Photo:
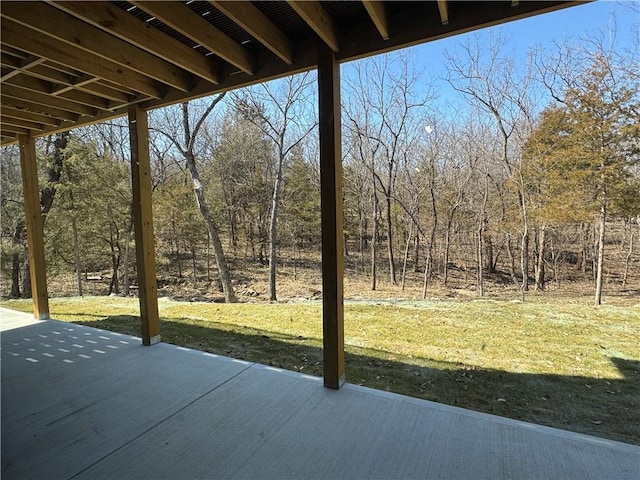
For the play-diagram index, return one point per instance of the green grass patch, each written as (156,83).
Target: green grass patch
(569,366)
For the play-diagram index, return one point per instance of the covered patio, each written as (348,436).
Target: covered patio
(79,402)
(68,64)
(83,403)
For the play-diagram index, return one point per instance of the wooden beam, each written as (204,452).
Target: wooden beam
(87,83)
(378,13)
(43,46)
(184,20)
(444,12)
(22,104)
(22,66)
(331,217)
(34,226)
(117,22)
(68,29)
(25,115)
(254,22)
(7,138)
(66,125)
(314,14)
(19,122)
(42,86)
(16,130)
(47,100)
(143,225)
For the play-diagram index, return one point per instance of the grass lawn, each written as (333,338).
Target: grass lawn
(569,366)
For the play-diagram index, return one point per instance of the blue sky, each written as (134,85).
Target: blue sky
(601,18)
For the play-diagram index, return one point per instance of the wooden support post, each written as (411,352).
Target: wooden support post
(143,225)
(35,227)
(331,216)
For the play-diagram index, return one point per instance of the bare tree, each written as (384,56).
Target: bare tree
(281,110)
(382,114)
(176,126)
(496,86)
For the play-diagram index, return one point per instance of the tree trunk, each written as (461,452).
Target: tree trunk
(126,274)
(554,257)
(54,173)
(273,231)
(76,254)
(392,264)
(524,260)
(627,259)
(374,238)
(539,285)
(488,245)
(480,259)
(209,257)
(114,285)
(223,268)
(194,263)
(447,246)
(406,256)
(416,253)
(600,261)
(432,241)
(512,262)
(26,274)
(15,259)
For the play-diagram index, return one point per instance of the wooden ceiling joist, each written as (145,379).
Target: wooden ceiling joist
(41,86)
(254,22)
(444,12)
(62,82)
(22,104)
(18,122)
(10,130)
(124,26)
(42,45)
(182,19)
(26,115)
(21,65)
(47,100)
(378,13)
(61,26)
(314,14)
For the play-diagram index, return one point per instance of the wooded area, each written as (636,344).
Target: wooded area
(535,183)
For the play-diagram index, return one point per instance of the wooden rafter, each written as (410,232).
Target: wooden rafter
(259,26)
(19,122)
(378,13)
(12,129)
(26,115)
(314,14)
(38,44)
(22,66)
(22,104)
(14,91)
(122,25)
(62,82)
(42,86)
(182,19)
(444,12)
(65,28)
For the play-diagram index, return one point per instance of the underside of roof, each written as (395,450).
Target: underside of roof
(67,64)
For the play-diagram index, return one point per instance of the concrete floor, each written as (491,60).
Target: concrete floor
(83,403)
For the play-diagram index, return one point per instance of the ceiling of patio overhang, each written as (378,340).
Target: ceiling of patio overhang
(66,64)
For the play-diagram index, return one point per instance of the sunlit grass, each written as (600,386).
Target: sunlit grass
(571,366)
